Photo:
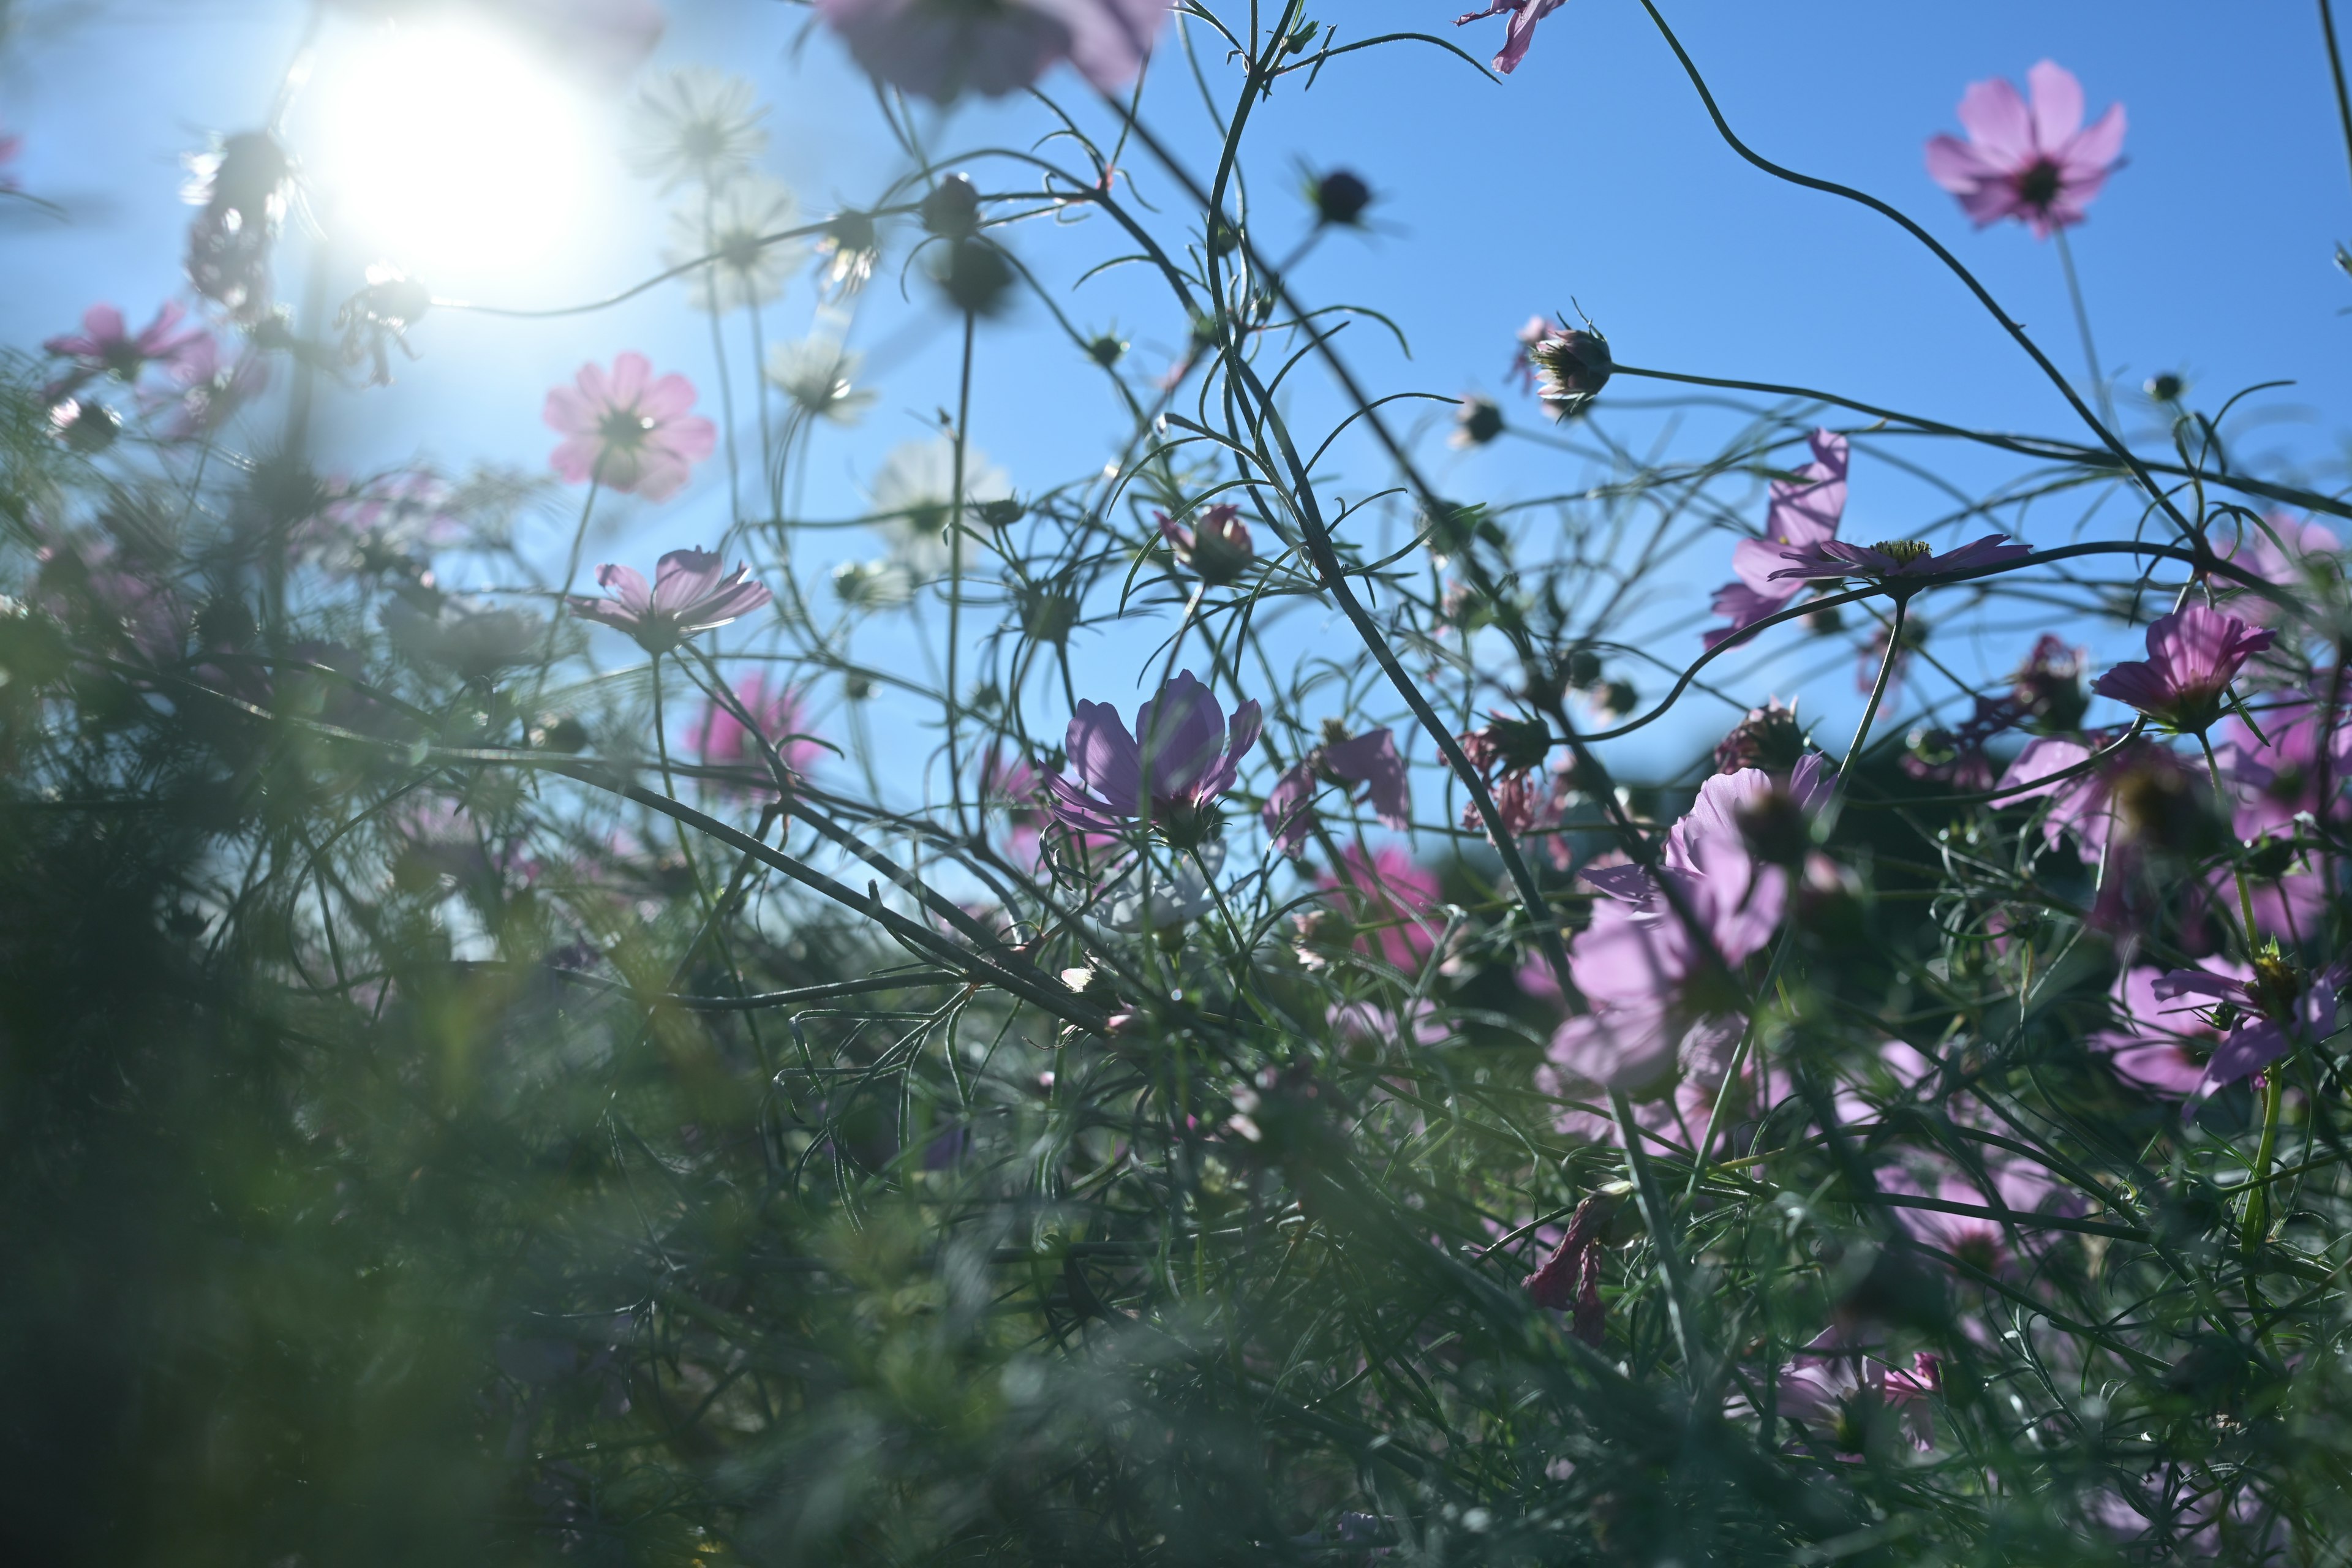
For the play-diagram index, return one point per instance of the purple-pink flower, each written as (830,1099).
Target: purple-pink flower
(201,392)
(1891,560)
(1391,904)
(2150,1046)
(1217,546)
(721,738)
(106,346)
(2192,655)
(1803,512)
(1525,15)
(1171,778)
(2260,1017)
(1367,762)
(692,592)
(627,429)
(941,48)
(2037,163)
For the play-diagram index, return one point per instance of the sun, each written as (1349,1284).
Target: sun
(447,150)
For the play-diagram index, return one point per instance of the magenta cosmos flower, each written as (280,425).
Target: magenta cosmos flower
(106,346)
(2192,657)
(691,593)
(1170,778)
(720,738)
(2037,164)
(2160,1043)
(1369,763)
(628,430)
(1891,561)
(2260,1019)
(1804,511)
(1391,901)
(1217,546)
(940,48)
(1525,15)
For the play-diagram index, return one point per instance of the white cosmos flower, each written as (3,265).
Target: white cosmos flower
(914,492)
(819,375)
(732,224)
(1178,894)
(872,585)
(697,123)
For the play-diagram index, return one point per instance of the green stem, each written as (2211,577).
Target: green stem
(2335,71)
(2083,325)
(2258,1207)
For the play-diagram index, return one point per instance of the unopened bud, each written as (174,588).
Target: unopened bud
(952,210)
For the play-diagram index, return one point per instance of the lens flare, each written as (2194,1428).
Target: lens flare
(447,150)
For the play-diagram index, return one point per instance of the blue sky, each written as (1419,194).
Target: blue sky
(1591,174)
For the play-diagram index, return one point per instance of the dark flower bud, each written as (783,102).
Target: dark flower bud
(560,732)
(1107,349)
(952,210)
(974,276)
(1581,667)
(1048,615)
(85,425)
(1478,421)
(857,688)
(2270,858)
(1002,512)
(850,248)
(1572,367)
(1618,699)
(1769,738)
(1340,197)
(224,622)
(2165,386)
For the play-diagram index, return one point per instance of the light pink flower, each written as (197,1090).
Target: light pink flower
(1367,763)
(1392,900)
(106,346)
(2290,554)
(1803,511)
(1217,546)
(628,430)
(692,592)
(2143,796)
(941,48)
(2036,164)
(720,738)
(1171,778)
(1525,15)
(2192,655)
(1837,1392)
(201,392)
(1012,785)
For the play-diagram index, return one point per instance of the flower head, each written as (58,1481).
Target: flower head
(1170,778)
(2259,1018)
(821,378)
(1803,510)
(1367,761)
(691,593)
(1525,15)
(697,123)
(1217,546)
(472,638)
(1566,366)
(721,738)
(202,392)
(106,346)
(2037,164)
(914,494)
(1890,560)
(2159,1044)
(734,228)
(941,48)
(2193,654)
(1389,905)
(628,430)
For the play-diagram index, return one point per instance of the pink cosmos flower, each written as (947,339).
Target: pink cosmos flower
(720,738)
(1525,15)
(1369,1021)
(105,346)
(1838,1394)
(692,592)
(1012,785)
(1369,763)
(2292,554)
(2259,1018)
(2036,164)
(940,48)
(1803,511)
(1392,901)
(1217,546)
(2159,1044)
(1171,778)
(1891,560)
(201,392)
(11,148)
(626,430)
(2192,655)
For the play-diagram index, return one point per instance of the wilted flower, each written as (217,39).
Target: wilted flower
(873,584)
(2193,654)
(378,317)
(1520,32)
(2038,165)
(1170,779)
(1217,546)
(626,430)
(914,494)
(1369,762)
(697,123)
(734,228)
(820,376)
(1803,511)
(472,638)
(106,346)
(1570,1278)
(241,188)
(1478,421)
(692,592)
(722,739)
(941,48)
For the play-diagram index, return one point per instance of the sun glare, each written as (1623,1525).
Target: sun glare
(448,151)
